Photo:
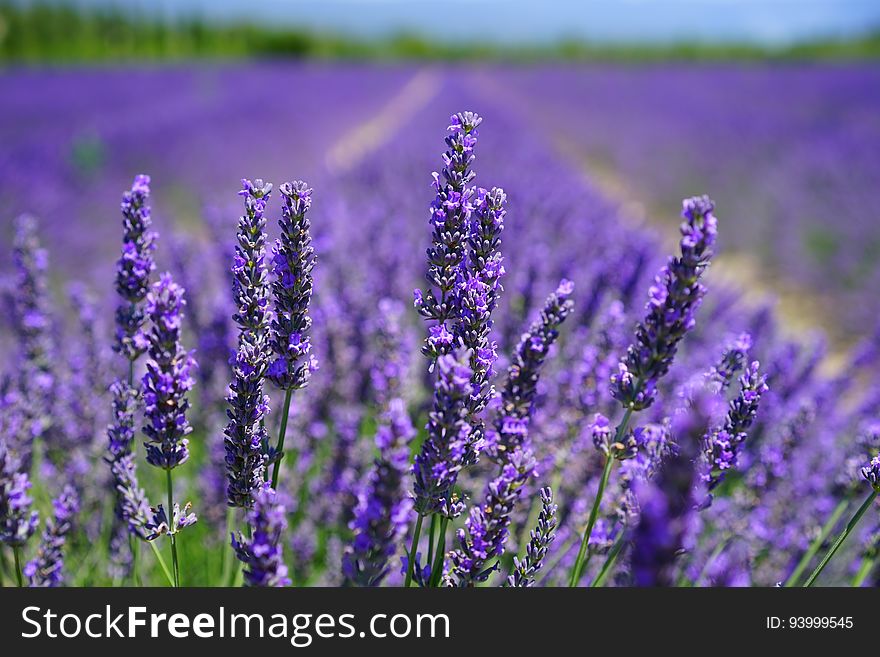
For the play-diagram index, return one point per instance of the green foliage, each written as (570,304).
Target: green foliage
(53,32)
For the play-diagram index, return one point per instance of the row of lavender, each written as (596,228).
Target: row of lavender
(651,480)
(791,151)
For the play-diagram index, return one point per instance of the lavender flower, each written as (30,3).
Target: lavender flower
(250,286)
(37,380)
(168,378)
(674,299)
(159,525)
(626,448)
(450,215)
(485,531)
(722,446)
(478,296)
(732,361)
(542,536)
(245,434)
(17,521)
(47,569)
(511,424)
(871,473)
(441,458)
(382,514)
(133,269)
(261,554)
(86,386)
(292,262)
(132,507)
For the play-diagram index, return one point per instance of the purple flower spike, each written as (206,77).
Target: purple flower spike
(478,297)
(244,436)
(673,301)
(450,221)
(485,532)
(245,433)
(132,507)
(250,277)
(293,259)
(541,537)
(732,361)
(261,554)
(442,455)
(17,521)
(510,428)
(168,378)
(133,269)
(36,382)
(382,513)
(48,567)
(721,446)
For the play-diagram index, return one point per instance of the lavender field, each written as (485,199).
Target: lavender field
(553,363)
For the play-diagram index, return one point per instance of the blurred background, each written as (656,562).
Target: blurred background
(599,117)
(770,106)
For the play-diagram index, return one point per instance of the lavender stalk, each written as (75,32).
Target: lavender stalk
(508,444)
(541,537)
(871,473)
(37,380)
(48,568)
(133,270)
(380,519)
(292,262)
(674,299)
(245,433)
(441,458)
(17,521)
(261,552)
(450,213)
(165,385)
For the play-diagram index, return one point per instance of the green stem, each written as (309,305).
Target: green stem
(16,551)
(594,513)
(842,537)
(172,530)
(865,569)
(432,534)
(437,567)
(162,563)
(225,561)
(285,411)
(412,551)
(535,511)
(826,530)
(610,560)
(684,582)
(134,547)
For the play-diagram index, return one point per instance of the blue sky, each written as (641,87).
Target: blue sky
(535,21)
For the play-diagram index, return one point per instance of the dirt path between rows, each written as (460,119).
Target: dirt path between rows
(801,311)
(359,142)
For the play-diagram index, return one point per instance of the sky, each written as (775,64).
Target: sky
(768,22)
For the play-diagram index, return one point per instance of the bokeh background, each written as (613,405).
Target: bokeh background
(600,117)
(770,106)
